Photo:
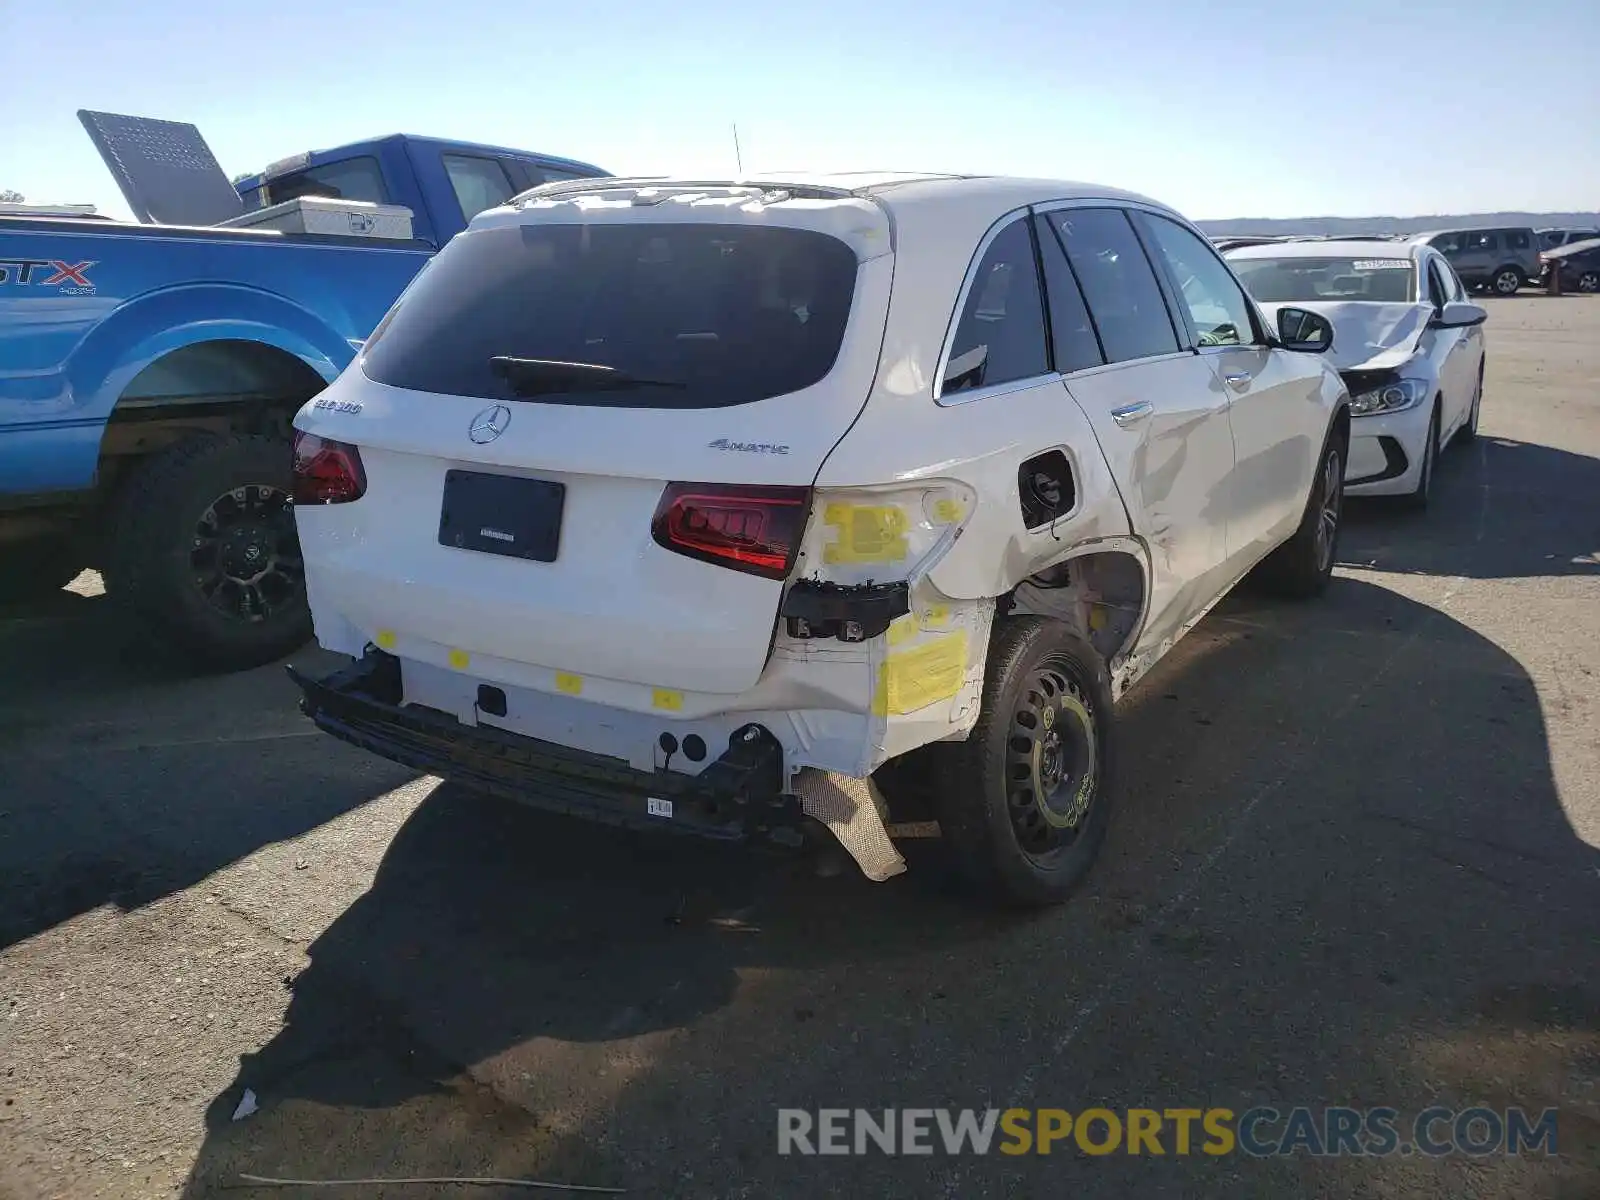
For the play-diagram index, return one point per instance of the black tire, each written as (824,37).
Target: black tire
(1017,843)
(1506,281)
(1468,433)
(1301,568)
(189,525)
(37,569)
(1419,499)
(1587,281)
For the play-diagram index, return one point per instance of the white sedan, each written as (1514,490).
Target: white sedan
(1407,342)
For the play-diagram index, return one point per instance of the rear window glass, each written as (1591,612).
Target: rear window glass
(686,315)
(348,179)
(1297,280)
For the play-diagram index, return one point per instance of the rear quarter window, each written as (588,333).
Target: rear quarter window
(711,315)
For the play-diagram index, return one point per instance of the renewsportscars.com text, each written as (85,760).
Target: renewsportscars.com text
(1260,1132)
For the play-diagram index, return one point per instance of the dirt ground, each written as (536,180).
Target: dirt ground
(1354,862)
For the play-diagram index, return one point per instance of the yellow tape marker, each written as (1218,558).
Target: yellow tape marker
(902,630)
(459,659)
(386,639)
(938,615)
(948,511)
(867,534)
(921,676)
(667,699)
(572,685)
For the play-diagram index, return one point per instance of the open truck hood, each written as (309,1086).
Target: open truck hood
(1368,336)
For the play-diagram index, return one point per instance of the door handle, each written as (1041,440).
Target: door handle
(1132,414)
(1237,379)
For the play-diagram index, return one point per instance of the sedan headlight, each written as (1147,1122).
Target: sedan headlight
(1391,397)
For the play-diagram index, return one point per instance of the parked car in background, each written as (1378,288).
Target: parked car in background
(1500,260)
(695,504)
(1549,239)
(1580,265)
(149,371)
(1406,340)
(1228,243)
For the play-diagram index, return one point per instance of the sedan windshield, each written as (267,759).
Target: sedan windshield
(1302,280)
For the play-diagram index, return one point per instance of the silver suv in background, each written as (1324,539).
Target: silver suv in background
(1549,239)
(1501,260)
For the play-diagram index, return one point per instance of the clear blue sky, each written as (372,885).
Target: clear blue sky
(1228,108)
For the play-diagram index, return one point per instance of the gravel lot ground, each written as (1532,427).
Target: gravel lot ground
(1354,862)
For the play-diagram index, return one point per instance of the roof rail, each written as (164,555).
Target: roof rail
(573,187)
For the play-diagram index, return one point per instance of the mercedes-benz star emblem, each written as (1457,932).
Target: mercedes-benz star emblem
(489,424)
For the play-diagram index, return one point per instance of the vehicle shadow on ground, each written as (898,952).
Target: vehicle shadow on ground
(128,778)
(1539,501)
(1304,899)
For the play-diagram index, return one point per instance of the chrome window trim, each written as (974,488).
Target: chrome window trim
(1261,330)
(996,389)
(1103,368)
(1180,320)
(1001,223)
(1022,213)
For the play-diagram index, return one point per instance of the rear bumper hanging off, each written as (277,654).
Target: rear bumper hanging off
(737,797)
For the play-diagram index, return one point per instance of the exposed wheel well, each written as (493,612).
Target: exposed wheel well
(1102,595)
(219,387)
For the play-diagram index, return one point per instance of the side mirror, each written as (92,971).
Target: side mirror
(1302,329)
(1459,314)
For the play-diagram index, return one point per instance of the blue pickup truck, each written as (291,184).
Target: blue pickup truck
(148,374)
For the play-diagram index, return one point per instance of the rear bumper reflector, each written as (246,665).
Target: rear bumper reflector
(737,797)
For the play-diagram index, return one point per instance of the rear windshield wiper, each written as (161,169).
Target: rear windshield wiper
(544,376)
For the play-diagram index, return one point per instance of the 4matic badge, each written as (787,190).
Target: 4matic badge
(33,271)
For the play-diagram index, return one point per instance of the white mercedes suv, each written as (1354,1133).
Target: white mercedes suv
(694,504)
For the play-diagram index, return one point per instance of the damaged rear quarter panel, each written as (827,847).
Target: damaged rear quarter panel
(981,444)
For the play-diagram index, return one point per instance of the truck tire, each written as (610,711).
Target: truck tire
(1023,804)
(1301,568)
(202,554)
(36,569)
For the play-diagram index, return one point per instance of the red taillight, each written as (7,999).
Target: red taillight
(326,471)
(752,529)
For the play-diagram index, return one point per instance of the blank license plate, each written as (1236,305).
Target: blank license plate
(502,514)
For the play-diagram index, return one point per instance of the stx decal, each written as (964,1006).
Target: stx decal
(76,274)
(26,271)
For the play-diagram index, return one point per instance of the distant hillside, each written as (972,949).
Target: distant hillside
(1345,226)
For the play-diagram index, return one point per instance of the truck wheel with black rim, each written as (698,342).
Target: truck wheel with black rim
(203,556)
(1301,568)
(1023,804)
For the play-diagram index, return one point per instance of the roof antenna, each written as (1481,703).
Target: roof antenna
(738,159)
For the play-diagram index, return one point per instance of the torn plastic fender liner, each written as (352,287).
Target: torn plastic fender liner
(872,607)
